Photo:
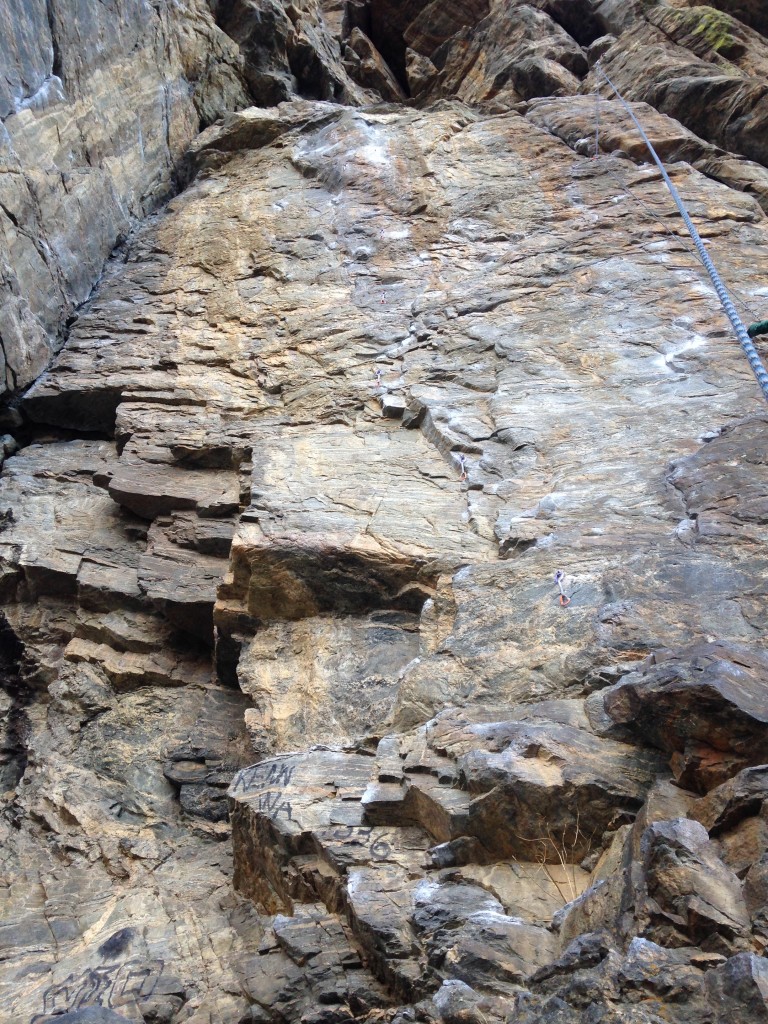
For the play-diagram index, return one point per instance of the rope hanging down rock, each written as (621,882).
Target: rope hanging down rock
(743,336)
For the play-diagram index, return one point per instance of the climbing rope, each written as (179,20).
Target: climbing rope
(675,237)
(740,330)
(649,210)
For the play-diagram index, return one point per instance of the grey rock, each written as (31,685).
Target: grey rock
(725,484)
(204,802)
(703,704)
(740,986)
(92,1015)
(62,217)
(598,47)
(457,800)
(458,1003)
(739,798)
(690,894)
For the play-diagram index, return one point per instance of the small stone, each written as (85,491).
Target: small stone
(393,406)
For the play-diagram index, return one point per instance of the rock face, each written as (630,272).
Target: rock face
(98,105)
(298,723)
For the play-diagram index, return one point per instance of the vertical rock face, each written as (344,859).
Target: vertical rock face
(98,104)
(382,558)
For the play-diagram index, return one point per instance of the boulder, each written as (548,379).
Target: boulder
(704,705)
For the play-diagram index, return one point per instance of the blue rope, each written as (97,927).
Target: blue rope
(725,300)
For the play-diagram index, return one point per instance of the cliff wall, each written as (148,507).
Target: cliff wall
(382,557)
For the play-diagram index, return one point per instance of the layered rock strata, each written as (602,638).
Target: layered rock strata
(296,725)
(98,105)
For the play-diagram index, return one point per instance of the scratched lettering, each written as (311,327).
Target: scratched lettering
(272,803)
(343,833)
(378,847)
(264,776)
(280,773)
(75,992)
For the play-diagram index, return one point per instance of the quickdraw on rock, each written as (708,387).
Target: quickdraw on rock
(377,374)
(462,467)
(564,599)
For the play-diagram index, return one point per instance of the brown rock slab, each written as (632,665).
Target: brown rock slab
(344,521)
(152,490)
(725,484)
(723,727)
(325,678)
(556,349)
(740,797)
(527,790)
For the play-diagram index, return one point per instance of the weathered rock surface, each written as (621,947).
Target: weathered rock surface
(98,105)
(295,725)
(705,705)
(324,826)
(703,86)
(573,120)
(513,54)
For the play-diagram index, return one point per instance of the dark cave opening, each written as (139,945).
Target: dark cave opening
(385,23)
(578,18)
